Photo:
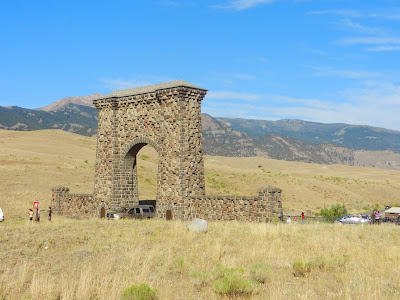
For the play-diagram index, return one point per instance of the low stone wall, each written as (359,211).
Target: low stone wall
(261,208)
(73,205)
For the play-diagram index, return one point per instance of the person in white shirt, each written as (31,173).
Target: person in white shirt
(289,220)
(1,215)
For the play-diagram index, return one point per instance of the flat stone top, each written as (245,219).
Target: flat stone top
(151,89)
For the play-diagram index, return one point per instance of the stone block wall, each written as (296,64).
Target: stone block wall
(261,208)
(73,205)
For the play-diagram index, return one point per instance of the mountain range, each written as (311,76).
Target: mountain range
(290,140)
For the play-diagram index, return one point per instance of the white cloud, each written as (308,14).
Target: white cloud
(371,40)
(384,48)
(349,74)
(114,84)
(377,43)
(262,59)
(392,15)
(346,13)
(242,4)
(358,27)
(377,104)
(231,79)
(302,102)
(120,84)
(314,51)
(228,95)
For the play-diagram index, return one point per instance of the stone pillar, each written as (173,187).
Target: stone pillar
(272,196)
(59,193)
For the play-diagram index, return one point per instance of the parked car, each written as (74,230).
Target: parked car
(388,220)
(354,219)
(137,212)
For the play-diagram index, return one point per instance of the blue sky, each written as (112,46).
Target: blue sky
(319,60)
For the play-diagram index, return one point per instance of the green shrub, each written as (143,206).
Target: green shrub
(275,220)
(302,269)
(231,282)
(139,292)
(260,272)
(148,181)
(201,275)
(335,211)
(215,182)
(179,263)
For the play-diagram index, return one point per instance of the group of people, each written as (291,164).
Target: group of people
(289,219)
(37,218)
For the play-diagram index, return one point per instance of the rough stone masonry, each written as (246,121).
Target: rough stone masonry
(167,117)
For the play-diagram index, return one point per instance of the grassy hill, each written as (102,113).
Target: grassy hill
(99,259)
(71,117)
(31,163)
(344,135)
(289,140)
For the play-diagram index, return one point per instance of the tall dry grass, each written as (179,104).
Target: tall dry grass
(97,259)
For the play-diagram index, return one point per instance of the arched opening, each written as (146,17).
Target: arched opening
(168,215)
(138,174)
(102,213)
(147,175)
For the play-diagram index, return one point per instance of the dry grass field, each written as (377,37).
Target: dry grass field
(98,259)
(31,163)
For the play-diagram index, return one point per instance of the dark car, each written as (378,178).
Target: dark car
(388,220)
(137,212)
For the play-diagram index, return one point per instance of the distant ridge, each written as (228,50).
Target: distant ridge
(289,140)
(80,100)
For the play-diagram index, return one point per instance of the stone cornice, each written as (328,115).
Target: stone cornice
(116,101)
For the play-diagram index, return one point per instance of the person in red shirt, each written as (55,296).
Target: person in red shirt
(303,218)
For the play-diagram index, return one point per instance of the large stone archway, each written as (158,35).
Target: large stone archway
(167,117)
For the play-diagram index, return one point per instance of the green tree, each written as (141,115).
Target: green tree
(335,211)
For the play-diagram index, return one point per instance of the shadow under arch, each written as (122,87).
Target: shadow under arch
(127,191)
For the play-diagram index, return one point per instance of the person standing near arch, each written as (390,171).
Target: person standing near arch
(377,217)
(30,214)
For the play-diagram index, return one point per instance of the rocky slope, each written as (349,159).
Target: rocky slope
(222,139)
(289,140)
(344,135)
(82,100)
(71,117)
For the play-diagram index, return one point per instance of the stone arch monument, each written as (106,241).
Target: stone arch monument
(168,118)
